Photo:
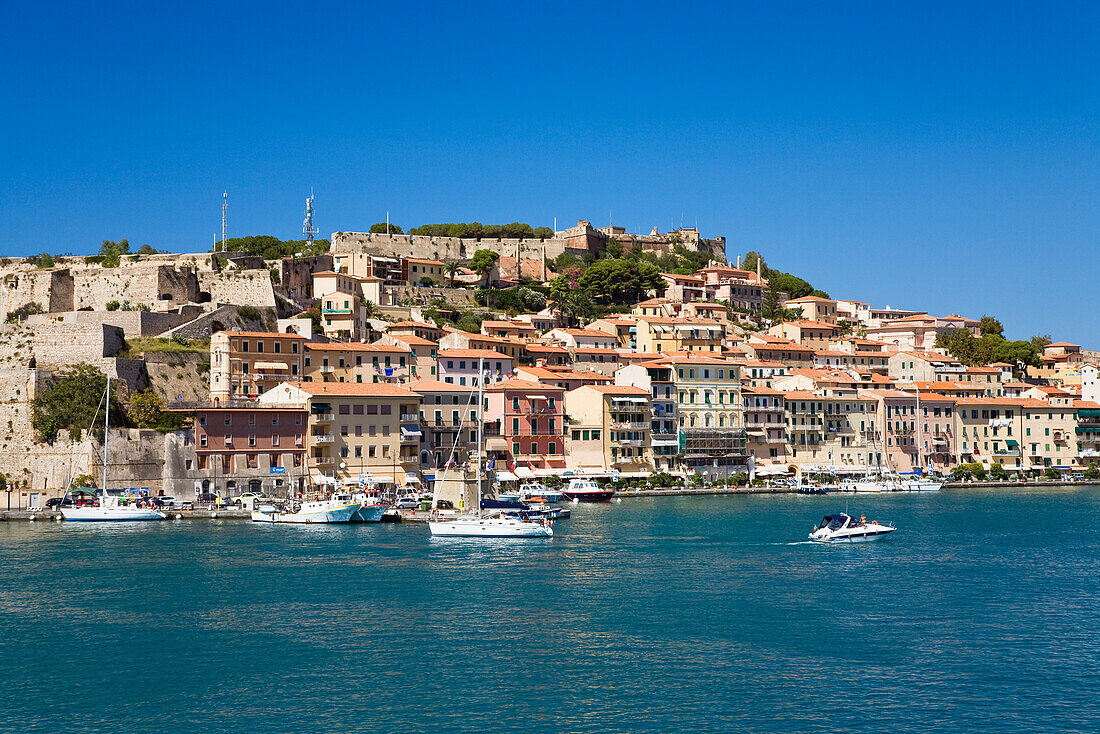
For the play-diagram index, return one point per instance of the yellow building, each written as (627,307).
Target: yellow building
(355,362)
(244,364)
(357,429)
(665,335)
(815,308)
(617,421)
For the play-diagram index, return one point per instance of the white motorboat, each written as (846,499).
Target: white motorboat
(111,508)
(843,528)
(471,526)
(586,490)
(921,485)
(339,509)
(535,492)
(479,525)
(865,484)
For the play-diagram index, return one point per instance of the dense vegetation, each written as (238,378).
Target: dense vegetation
(272,248)
(477,229)
(779,282)
(72,401)
(991,346)
(385,228)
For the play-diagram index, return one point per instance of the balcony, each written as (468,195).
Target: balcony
(410,418)
(322,417)
(631,426)
(327,369)
(322,460)
(323,438)
(336,311)
(1089,454)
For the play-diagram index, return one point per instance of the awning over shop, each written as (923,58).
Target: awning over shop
(506,476)
(496,444)
(1012,443)
(410,430)
(524,472)
(536,397)
(321,408)
(270,366)
(770,471)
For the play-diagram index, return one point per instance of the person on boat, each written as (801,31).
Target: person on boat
(862,519)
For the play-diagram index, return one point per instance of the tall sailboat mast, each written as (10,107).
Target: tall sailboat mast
(920,464)
(480,423)
(106,428)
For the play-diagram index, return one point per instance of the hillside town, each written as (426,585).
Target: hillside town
(597,352)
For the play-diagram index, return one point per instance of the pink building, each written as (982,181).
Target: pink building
(896,428)
(526,427)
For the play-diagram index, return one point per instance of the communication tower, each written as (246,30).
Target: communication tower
(225,218)
(307,226)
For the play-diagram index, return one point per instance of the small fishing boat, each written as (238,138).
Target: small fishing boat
(338,509)
(586,490)
(921,485)
(843,528)
(535,492)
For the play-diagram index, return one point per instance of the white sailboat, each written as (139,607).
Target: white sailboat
(920,483)
(478,526)
(110,508)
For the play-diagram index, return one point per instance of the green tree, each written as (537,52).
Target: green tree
(83,480)
(45,260)
(1052,473)
(1092,473)
(383,228)
(113,305)
(990,325)
(483,261)
(613,249)
(112,252)
(575,303)
(147,250)
(451,269)
(1039,341)
(71,400)
(145,408)
(621,281)
(27,309)
(370,309)
(996,471)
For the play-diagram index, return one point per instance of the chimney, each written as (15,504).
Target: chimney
(738,262)
(758,267)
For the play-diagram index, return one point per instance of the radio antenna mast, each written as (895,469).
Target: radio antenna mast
(307,226)
(225,218)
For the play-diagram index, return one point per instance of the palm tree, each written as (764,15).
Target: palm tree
(370,309)
(452,269)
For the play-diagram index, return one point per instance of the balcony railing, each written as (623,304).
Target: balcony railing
(327,368)
(410,417)
(322,417)
(323,438)
(321,460)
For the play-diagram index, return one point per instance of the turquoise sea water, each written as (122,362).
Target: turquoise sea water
(982,613)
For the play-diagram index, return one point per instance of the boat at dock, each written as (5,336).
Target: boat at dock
(335,510)
(110,508)
(479,525)
(842,528)
(586,490)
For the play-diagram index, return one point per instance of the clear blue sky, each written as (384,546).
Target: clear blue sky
(942,156)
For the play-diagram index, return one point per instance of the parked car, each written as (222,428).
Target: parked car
(240,499)
(207,497)
(54,503)
(407,503)
(162,501)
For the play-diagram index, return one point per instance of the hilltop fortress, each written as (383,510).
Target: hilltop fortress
(581,239)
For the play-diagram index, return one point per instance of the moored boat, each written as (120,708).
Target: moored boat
(586,490)
(312,512)
(473,526)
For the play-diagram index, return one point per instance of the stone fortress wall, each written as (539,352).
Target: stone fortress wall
(583,238)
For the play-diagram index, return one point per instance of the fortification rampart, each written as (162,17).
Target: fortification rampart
(443,248)
(239,287)
(132,323)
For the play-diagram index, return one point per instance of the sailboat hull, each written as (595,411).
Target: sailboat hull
(489,528)
(110,514)
(309,515)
